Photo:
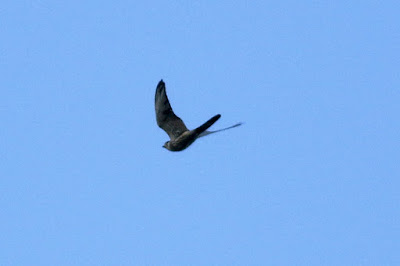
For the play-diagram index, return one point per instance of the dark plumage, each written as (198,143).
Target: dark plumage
(180,136)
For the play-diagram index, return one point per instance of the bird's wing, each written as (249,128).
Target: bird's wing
(166,119)
(205,133)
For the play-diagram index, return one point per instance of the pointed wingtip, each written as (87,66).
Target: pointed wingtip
(160,85)
(216,117)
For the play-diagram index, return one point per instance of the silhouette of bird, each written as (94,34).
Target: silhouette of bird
(180,136)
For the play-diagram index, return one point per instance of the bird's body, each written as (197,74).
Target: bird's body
(189,136)
(180,136)
(182,142)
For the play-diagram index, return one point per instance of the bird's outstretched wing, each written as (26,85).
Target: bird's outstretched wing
(205,133)
(166,119)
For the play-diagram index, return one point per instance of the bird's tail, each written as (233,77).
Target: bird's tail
(207,124)
(205,133)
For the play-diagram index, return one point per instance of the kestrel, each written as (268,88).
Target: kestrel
(180,136)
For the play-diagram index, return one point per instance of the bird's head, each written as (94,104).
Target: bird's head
(166,145)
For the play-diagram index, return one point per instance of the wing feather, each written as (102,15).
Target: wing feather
(205,133)
(166,118)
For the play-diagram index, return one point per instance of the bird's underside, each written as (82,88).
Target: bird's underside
(180,136)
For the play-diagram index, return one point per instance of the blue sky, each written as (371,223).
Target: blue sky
(311,178)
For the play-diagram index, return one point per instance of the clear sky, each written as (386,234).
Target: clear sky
(311,178)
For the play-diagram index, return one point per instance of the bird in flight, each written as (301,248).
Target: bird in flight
(180,136)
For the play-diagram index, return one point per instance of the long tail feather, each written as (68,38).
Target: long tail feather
(205,133)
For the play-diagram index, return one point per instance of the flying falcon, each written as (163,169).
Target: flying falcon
(180,136)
